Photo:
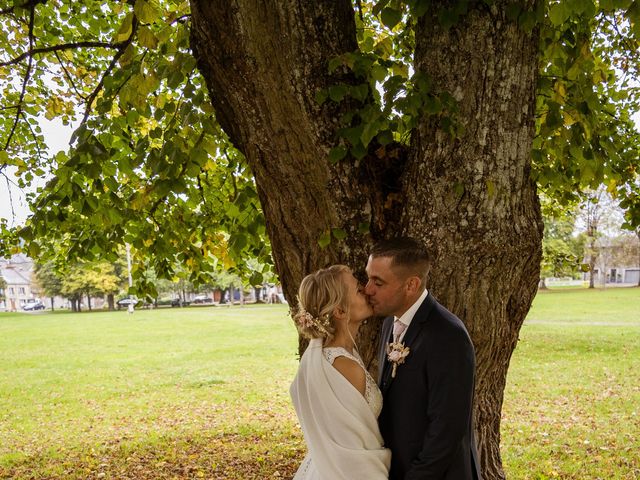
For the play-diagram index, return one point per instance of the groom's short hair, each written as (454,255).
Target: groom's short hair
(406,253)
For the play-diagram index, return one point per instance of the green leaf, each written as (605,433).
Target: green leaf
(256,278)
(633,12)
(339,234)
(513,10)
(325,239)
(321,96)
(145,11)
(360,92)
(390,17)
(337,153)
(491,189)
(447,18)
(385,137)
(559,13)
(353,134)
(364,227)
(147,38)
(358,151)
(378,73)
(369,131)
(337,92)
(458,188)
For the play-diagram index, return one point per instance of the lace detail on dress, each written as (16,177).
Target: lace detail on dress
(372,393)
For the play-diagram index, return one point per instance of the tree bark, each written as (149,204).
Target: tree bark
(482,218)
(470,198)
(592,262)
(111,302)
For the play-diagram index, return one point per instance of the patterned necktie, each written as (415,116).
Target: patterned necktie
(398,328)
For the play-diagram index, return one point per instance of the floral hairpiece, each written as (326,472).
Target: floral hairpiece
(305,320)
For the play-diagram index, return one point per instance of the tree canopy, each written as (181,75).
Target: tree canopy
(328,124)
(150,165)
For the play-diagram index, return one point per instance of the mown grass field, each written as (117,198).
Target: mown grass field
(203,392)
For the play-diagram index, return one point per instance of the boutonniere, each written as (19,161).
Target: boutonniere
(396,353)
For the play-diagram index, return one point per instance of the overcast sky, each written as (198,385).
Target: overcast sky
(57,138)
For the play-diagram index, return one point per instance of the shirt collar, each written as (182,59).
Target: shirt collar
(409,314)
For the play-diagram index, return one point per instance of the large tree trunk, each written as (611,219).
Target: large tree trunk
(470,199)
(111,302)
(592,263)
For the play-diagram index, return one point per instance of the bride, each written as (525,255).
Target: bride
(336,399)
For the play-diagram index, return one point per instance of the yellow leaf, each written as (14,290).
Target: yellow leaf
(124,32)
(491,188)
(127,56)
(145,11)
(147,38)
(568,119)
(599,76)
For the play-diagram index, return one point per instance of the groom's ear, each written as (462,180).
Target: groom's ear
(413,284)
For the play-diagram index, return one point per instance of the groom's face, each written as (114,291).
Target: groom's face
(385,289)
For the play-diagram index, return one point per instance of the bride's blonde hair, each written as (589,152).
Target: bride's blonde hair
(320,293)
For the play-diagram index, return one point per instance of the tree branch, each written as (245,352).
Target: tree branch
(29,3)
(65,46)
(25,82)
(121,48)
(70,78)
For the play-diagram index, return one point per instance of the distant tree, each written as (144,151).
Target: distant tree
(102,281)
(598,215)
(49,280)
(225,282)
(561,250)
(87,279)
(3,286)
(74,286)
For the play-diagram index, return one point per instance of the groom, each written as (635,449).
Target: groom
(426,419)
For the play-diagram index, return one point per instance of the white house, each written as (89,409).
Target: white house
(17,273)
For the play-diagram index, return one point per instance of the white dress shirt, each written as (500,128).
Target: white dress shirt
(410,313)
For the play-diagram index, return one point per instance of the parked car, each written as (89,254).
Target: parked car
(177,302)
(202,299)
(33,306)
(125,302)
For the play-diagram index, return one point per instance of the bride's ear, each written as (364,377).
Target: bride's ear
(339,314)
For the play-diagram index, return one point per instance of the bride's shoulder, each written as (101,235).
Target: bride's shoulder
(352,371)
(331,353)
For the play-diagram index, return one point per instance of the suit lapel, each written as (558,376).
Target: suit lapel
(417,323)
(383,364)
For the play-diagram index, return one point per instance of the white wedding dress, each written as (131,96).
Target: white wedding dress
(372,393)
(339,425)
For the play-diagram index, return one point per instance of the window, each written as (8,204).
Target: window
(21,290)
(10,290)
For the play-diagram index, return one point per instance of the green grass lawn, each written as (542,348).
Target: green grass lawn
(203,392)
(158,394)
(572,402)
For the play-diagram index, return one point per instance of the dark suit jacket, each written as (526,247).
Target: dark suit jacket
(426,419)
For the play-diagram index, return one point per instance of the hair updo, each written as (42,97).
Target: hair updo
(320,293)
